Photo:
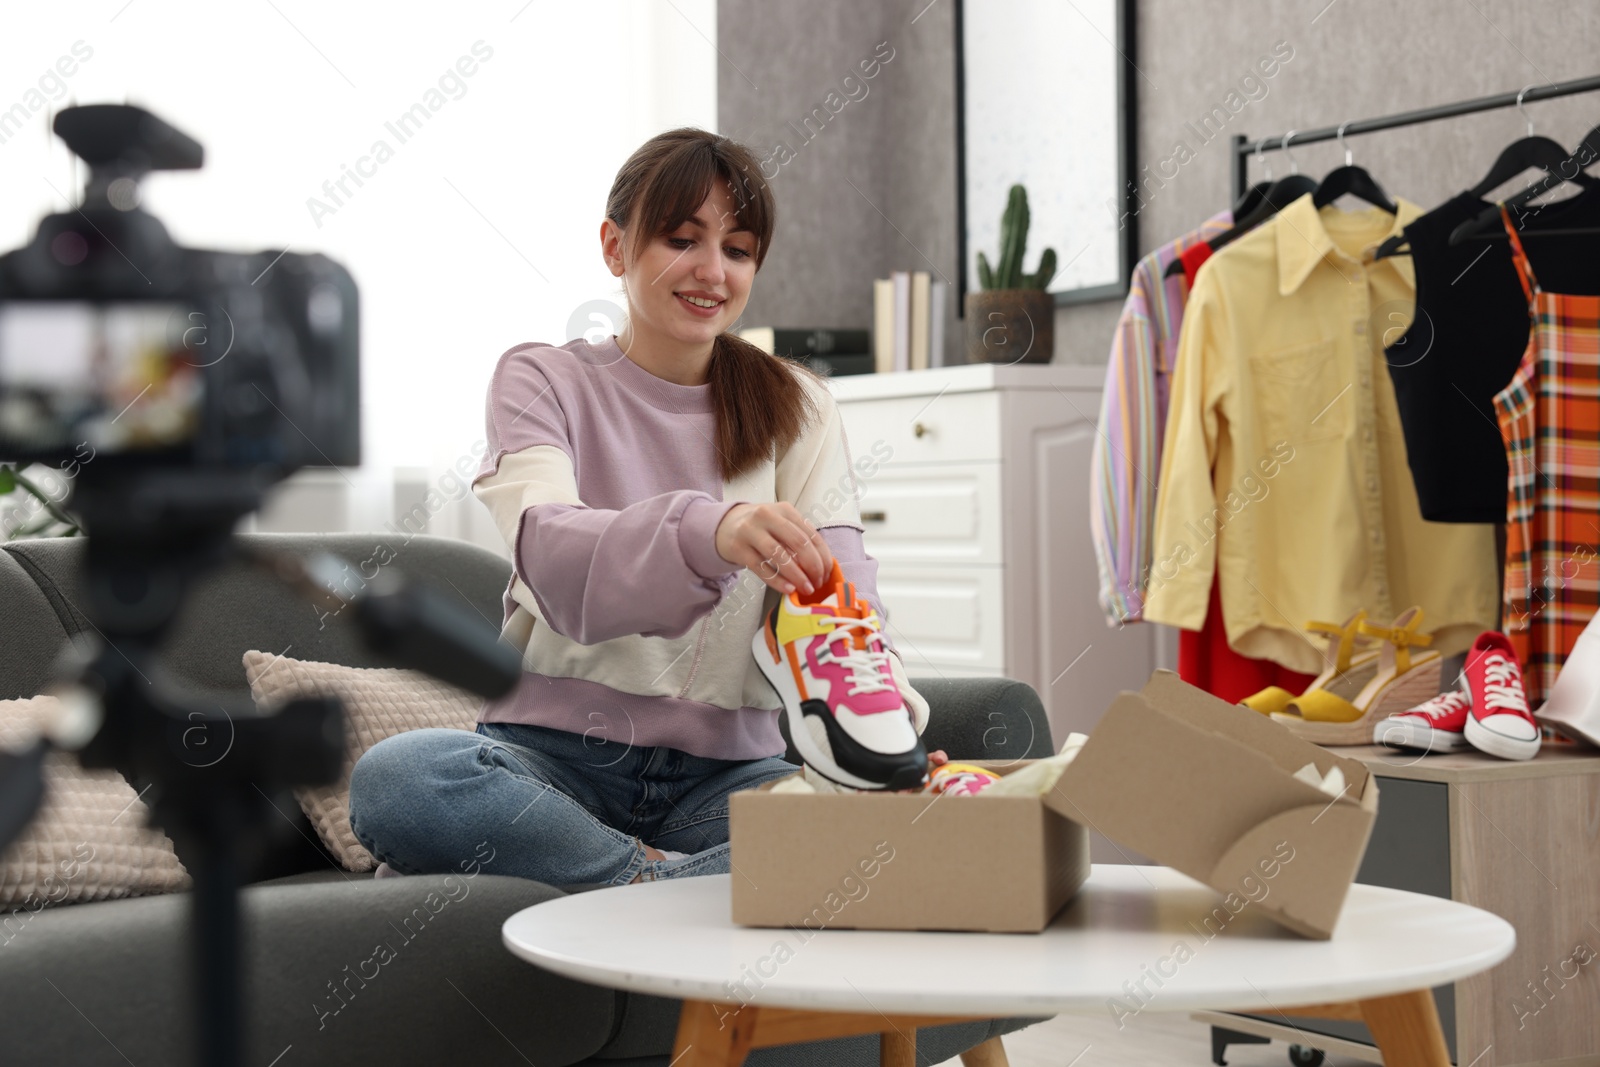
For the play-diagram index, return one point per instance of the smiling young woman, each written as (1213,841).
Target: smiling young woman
(688,224)
(644,486)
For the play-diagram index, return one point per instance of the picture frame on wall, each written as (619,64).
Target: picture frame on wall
(1071,146)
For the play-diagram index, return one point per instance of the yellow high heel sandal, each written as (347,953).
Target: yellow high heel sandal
(1338,659)
(1345,712)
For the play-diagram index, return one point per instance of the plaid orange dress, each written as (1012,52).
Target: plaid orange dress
(1550,421)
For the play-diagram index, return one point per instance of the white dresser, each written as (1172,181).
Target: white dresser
(978,517)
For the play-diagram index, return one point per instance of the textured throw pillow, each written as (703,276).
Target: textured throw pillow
(379,702)
(88,840)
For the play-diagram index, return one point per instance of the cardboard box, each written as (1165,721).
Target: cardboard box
(903,861)
(1208,788)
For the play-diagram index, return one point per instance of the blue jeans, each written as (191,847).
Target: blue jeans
(554,806)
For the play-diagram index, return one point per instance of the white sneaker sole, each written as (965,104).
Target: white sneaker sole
(1486,740)
(1415,735)
(781,679)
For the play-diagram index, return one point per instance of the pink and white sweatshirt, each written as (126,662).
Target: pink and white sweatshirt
(604,481)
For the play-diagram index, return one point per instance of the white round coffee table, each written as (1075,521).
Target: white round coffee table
(1134,937)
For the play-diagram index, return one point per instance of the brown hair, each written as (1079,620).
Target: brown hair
(760,403)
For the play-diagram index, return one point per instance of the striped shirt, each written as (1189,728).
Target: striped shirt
(1133,418)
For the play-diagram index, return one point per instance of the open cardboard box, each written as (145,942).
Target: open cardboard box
(903,861)
(1193,782)
(1208,788)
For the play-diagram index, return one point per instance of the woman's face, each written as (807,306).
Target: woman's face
(707,260)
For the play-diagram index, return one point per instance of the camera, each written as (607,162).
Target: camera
(116,341)
(180,384)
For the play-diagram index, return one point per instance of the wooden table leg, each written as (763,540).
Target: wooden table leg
(989,1054)
(1406,1028)
(897,1048)
(722,1035)
(709,1035)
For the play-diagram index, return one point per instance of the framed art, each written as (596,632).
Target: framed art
(1045,96)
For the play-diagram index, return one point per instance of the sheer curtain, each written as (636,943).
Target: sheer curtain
(455,158)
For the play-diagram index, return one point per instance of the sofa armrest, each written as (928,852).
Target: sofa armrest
(984,718)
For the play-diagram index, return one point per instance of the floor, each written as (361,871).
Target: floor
(1149,1040)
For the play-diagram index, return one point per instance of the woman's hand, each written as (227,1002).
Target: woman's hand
(777,543)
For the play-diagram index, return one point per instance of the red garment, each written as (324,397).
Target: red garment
(1192,257)
(1206,661)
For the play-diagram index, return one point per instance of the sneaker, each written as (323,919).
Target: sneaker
(823,653)
(1435,726)
(1500,723)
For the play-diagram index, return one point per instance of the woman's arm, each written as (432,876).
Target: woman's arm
(650,568)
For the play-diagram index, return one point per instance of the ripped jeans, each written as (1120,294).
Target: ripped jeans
(556,807)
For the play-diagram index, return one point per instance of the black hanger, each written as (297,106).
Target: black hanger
(1353,180)
(1393,246)
(1278,196)
(1485,226)
(1521,155)
(1252,198)
(1274,198)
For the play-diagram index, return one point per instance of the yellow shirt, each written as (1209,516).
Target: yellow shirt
(1284,470)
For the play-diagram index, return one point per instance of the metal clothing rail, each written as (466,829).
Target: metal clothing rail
(1244,148)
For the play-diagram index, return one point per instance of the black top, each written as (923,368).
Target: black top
(1465,341)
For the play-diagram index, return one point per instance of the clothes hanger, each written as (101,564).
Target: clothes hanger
(1253,196)
(1278,196)
(1353,180)
(1528,152)
(1486,225)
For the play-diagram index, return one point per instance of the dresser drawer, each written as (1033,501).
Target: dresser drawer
(944,428)
(933,514)
(945,615)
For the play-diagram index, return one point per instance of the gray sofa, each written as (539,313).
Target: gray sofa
(105,983)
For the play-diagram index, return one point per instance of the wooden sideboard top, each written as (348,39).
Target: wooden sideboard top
(1473,766)
(968,378)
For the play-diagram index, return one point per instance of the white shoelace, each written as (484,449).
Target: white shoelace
(1443,705)
(1502,685)
(866,665)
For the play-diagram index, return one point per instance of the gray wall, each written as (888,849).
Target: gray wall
(1352,59)
(895,145)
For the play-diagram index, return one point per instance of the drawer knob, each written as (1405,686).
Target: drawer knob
(918,429)
(874,516)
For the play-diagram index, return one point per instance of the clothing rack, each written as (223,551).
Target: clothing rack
(1243,148)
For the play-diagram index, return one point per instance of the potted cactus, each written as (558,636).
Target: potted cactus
(1012,319)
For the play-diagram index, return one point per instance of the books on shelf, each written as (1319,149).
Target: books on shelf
(902,319)
(908,310)
(883,325)
(908,331)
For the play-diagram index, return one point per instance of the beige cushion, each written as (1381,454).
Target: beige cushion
(88,840)
(379,702)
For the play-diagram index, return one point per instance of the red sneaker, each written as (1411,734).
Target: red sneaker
(1432,727)
(1500,723)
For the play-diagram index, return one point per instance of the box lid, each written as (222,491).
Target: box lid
(1207,788)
